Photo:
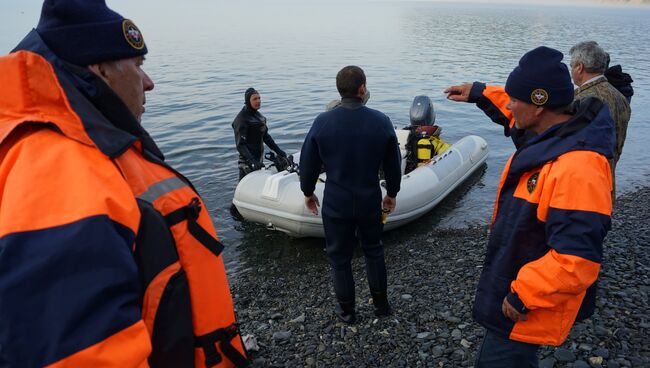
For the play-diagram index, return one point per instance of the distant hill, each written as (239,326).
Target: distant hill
(622,2)
(554,2)
(625,1)
(631,2)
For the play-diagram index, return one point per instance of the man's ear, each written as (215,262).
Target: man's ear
(99,70)
(362,90)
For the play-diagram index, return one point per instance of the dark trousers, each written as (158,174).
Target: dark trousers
(342,236)
(497,351)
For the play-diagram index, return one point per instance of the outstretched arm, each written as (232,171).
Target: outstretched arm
(459,93)
(493,101)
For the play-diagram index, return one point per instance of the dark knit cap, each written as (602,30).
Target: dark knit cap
(86,32)
(541,78)
(247,96)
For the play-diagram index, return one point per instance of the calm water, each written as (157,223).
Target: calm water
(204,54)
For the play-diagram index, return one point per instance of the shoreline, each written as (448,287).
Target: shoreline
(288,306)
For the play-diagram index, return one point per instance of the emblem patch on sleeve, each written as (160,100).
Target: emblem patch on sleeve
(539,97)
(132,34)
(532,182)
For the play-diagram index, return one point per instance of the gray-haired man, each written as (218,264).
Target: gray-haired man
(588,64)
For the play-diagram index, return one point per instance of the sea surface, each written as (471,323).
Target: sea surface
(204,54)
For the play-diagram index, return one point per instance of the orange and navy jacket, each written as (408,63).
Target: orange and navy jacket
(551,215)
(107,256)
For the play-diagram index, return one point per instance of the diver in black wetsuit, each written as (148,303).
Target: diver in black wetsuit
(251,133)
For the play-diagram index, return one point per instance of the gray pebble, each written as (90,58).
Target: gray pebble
(299,319)
(585,347)
(437,351)
(452,319)
(281,335)
(596,361)
(601,331)
(581,364)
(547,362)
(456,334)
(458,354)
(564,355)
(423,335)
(601,352)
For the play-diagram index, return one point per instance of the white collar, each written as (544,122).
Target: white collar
(593,79)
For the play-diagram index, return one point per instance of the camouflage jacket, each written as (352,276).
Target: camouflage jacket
(618,107)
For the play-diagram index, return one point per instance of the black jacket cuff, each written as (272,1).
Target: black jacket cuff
(514,300)
(476,92)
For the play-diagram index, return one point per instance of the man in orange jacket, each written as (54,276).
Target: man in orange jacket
(107,256)
(552,210)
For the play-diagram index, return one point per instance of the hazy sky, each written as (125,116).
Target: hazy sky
(18,16)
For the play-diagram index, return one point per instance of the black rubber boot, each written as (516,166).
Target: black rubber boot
(345,312)
(382,307)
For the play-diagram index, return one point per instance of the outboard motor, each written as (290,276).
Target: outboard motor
(422,112)
(423,142)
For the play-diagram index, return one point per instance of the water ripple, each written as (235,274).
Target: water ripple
(291,51)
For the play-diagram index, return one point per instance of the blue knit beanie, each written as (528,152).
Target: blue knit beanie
(541,78)
(86,32)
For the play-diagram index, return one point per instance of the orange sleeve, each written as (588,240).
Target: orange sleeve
(127,348)
(554,278)
(498,97)
(493,100)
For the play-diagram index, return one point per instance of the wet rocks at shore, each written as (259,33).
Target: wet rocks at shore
(288,306)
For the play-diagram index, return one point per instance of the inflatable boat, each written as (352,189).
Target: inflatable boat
(275,200)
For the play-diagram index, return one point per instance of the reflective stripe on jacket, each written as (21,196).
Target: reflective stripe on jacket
(551,215)
(104,249)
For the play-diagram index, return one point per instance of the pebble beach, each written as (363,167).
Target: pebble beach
(288,308)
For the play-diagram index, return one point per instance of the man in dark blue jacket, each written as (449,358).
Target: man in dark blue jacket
(552,212)
(352,142)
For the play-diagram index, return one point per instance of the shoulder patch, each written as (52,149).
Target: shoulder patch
(532,182)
